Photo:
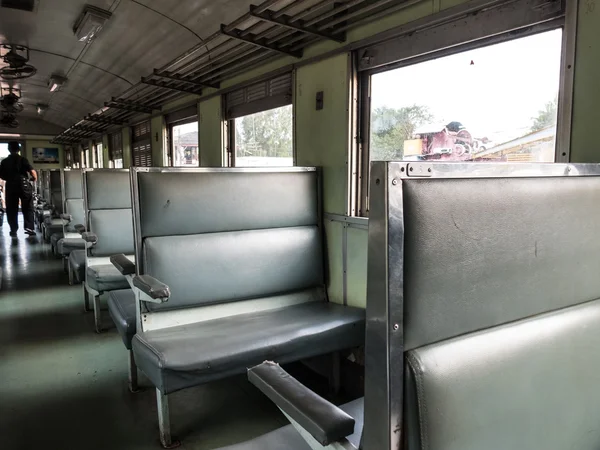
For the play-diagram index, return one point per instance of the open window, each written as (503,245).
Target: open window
(260,124)
(183,137)
(115,151)
(488,90)
(98,155)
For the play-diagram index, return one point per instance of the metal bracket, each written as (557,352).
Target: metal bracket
(160,84)
(102,120)
(86,129)
(186,80)
(125,107)
(263,43)
(419,170)
(286,22)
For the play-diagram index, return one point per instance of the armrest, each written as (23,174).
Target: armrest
(153,288)
(66,217)
(79,228)
(89,238)
(123,264)
(322,420)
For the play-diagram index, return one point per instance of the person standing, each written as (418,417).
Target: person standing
(15,170)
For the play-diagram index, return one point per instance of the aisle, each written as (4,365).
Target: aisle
(64,387)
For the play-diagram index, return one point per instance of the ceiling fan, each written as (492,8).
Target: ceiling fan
(9,120)
(10,101)
(16,56)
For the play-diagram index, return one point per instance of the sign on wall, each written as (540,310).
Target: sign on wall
(42,155)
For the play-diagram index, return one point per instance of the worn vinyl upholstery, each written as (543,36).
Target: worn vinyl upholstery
(121,307)
(75,208)
(529,385)
(518,247)
(108,189)
(224,267)
(501,313)
(77,264)
(190,203)
(105,277)
(114,230)
(289,439)
(73,184)
(184,356)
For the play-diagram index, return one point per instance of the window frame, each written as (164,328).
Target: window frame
(114,153)
(434,46)
(170,126)
(274,97)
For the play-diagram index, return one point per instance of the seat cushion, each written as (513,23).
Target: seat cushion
(54,241)
(65,246)
(184,356)
(121,307)
(106,277)
(77,264)
(288,438)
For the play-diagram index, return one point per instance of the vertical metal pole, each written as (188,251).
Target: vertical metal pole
(164,422)
(97,314)
(133,374)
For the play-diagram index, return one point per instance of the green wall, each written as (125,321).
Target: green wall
(211,135)
(126,147)
(586,94)
(158,131)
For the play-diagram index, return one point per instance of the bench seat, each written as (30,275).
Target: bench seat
(121,307)
(105,277)
(77,264)
(66,245)
(289,439)
(184,356)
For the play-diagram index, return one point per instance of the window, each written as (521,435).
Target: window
(115,151)
(85,163)
(264,138)
(141,148)
(475,87)
(184,144)
(260,119)
(68,158)
(482,109)
(4,150)
(98,155)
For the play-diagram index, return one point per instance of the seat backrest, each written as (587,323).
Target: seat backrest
(483,307)
(73,184)
(223,235)
(56,191)
(75,208)
(108,206)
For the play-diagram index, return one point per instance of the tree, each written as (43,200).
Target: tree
(265,134)
(391,127)
(546,117)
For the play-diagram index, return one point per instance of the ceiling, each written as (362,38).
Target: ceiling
(140,35)
(179,38)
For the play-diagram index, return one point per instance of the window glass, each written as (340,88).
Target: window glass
(99,155)
(495,103)
(3,150)
(265,138)
(184,142)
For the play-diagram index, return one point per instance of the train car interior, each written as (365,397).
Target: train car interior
(299,224)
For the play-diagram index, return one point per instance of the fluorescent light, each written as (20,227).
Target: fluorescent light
(41,108)
(89,23)
(4,135)
(56,82)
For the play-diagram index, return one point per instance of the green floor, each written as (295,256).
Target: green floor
(62,386)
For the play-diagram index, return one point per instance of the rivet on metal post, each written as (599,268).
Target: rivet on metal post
(396,326)
(394,182)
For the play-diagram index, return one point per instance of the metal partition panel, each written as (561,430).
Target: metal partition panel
(107,189)
(73,184)
(440,250)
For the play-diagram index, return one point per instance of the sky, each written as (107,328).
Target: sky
(494,91)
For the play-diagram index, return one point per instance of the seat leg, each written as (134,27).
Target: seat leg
(133,374)
(97,314)
(65,264)
(70,272)
(86,299)
(164,421)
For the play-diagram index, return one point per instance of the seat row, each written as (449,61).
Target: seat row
(483,302)
(208,272)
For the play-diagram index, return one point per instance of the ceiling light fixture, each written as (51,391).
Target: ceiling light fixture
(41,108)
(89,23)
(56,82)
